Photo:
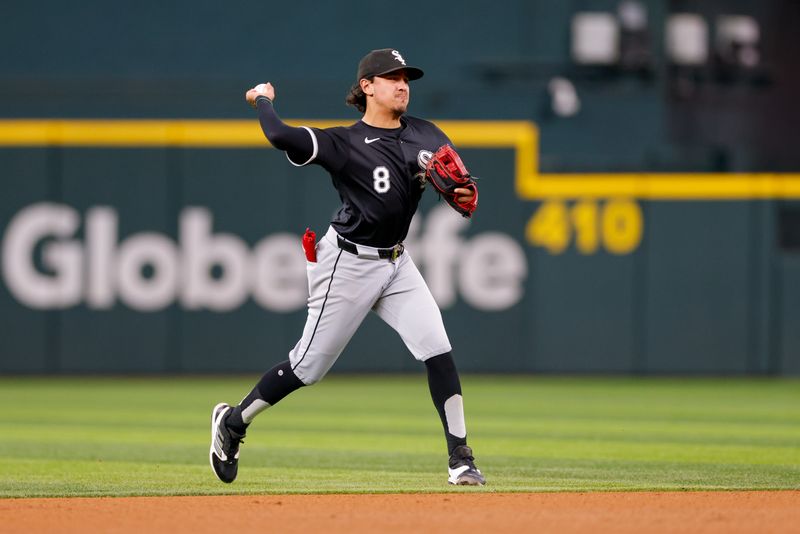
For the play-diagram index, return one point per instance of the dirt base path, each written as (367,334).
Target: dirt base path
(706,512)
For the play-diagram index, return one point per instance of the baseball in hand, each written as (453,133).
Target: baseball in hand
(261,88)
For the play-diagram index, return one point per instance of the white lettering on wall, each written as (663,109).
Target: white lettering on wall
(279,273)
(136,289)
(62,288)
(202,253)
(101,238)
(203,270)
(493,269)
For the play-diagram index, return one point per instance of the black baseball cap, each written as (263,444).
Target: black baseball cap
(384,61)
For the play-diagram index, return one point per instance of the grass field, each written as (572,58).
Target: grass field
(150,436)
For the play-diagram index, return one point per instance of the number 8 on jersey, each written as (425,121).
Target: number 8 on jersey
(380,178)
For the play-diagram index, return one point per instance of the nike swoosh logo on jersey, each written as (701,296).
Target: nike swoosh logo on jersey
(368,140)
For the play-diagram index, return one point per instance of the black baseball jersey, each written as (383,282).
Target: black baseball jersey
(379,174)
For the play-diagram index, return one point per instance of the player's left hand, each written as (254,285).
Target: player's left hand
(451,179)
(464,195)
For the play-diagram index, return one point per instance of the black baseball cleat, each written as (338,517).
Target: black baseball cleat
(224,453)
(462,468)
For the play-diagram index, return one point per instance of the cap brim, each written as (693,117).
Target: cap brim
(413,73)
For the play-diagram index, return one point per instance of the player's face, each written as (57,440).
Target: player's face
(391,92)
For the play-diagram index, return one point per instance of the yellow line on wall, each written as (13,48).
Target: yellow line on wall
(135,133)
(656,186)
(521,136)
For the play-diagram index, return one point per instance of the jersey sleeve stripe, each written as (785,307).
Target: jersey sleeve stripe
(314,151)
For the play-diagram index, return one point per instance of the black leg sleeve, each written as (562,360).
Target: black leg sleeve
(276,383)
(446,394)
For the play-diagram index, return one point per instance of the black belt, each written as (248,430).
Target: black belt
(383,253)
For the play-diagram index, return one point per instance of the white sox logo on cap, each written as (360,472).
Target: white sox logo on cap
(383,61)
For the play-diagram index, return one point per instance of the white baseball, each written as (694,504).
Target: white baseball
(261,87)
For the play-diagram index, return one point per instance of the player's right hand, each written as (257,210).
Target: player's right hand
(265,89)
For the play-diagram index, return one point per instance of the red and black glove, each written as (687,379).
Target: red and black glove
(447,173)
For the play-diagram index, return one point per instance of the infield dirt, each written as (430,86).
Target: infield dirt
(706,512)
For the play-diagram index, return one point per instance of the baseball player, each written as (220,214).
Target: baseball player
(378,168)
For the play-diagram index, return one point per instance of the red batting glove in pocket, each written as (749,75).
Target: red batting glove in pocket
(310,245)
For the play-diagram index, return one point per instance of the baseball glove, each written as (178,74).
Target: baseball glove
(447,173)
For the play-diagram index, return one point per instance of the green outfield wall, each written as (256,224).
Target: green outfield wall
(147,227)
(186,259)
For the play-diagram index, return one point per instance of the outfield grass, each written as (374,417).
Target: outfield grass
(126,436)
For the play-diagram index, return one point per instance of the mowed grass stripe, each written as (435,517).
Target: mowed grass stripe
(139,436)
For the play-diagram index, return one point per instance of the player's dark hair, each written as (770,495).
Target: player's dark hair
(356,97)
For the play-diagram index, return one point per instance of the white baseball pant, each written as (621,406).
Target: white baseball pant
(344,287)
